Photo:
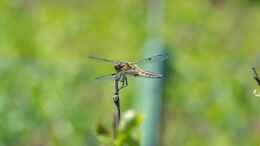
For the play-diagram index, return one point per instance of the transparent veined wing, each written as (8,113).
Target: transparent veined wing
(103,59)
(152,59)
(109,77)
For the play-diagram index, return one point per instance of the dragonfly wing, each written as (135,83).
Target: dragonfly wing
(152,59)
(109,77)
(103,59)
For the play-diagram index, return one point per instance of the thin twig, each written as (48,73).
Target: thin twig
(116,100)
(256,77)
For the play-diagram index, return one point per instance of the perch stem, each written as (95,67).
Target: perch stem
(117,114)
(256,77)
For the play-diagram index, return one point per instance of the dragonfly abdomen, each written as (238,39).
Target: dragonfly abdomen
(149,74)
(142,73)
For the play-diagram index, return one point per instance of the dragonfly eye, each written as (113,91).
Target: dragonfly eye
(118,67)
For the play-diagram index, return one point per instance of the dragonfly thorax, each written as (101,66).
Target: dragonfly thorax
(122,67)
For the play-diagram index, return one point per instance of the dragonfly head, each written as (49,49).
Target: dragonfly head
(122,67)
(118,67)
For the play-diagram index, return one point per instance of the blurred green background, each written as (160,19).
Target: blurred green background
(48,95)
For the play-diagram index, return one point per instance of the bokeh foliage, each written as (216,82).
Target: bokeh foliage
(128,133)
(48,95)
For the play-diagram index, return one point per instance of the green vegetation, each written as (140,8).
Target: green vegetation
(128,133)
(48,95)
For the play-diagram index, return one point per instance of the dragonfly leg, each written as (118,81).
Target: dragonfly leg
(121,79)
(124,82)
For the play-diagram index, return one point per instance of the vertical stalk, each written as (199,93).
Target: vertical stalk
(256,77)
(117,115)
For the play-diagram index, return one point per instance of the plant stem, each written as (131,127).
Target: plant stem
(116,100)
(256,77)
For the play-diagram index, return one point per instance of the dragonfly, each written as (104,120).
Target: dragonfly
(124,68)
